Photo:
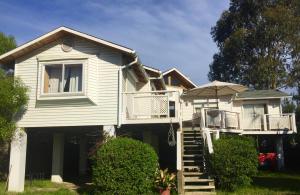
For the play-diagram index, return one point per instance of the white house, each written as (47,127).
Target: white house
(81,86)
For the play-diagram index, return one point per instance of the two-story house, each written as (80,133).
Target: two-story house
(82,88)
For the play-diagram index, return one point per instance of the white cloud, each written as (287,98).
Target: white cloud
(164,33)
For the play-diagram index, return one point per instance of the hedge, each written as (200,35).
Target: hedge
(234,162)
(124,166)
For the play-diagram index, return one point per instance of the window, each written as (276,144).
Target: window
(63,78)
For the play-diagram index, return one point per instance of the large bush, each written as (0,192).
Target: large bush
(13,99)
(234,161)
(125,166)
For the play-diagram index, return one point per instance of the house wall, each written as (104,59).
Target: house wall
(100,105)
(273,105)
(191,105)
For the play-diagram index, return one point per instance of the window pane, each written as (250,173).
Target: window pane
(52,78)
(73,78)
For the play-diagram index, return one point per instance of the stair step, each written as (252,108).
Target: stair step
(191,145)
(192,161)
(198,187)
(192,131)
(194,174)
(196,179)
(191,167)
(192,155)
(197,193)
(191,152)
(192,134)
(193,142)
(192,138)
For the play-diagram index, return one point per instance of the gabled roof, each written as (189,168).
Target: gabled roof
(54,35)
(152,72)
(261,94)
(181,75)
(155,77)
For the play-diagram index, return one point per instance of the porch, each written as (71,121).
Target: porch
(235,122)
(151,107)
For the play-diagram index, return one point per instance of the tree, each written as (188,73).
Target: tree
(13,96)
(259,44)
(7,43)
(13,99)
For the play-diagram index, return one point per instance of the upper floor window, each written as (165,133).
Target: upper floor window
(63,78)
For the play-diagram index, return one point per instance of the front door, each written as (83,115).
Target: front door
(253,116)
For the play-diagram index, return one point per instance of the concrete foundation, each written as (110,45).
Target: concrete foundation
(110,130)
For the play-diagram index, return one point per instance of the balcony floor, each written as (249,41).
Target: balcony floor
(151,121)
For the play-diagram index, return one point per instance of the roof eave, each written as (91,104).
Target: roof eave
(186,78)
(4,57)
(261,98)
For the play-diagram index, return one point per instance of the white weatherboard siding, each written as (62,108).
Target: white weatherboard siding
(100,107)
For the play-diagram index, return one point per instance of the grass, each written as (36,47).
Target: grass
(271,183)
(265,183)
(40,187)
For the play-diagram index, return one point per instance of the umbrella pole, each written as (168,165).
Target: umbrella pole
(217,97)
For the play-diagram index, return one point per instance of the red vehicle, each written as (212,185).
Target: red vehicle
(268,160)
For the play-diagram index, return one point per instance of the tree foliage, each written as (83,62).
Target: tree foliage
(13,99)
(259,44)
(7,43)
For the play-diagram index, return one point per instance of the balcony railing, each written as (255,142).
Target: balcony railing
(280,121)
(154,105)
(221,119)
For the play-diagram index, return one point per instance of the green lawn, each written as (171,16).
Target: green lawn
(269,183)
(265,183)
(41,187)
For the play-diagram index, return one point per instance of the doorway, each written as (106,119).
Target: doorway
(253,116)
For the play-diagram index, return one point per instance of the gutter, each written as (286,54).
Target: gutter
(120,78)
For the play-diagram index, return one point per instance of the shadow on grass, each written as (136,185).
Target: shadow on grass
(278,182)
(86,189)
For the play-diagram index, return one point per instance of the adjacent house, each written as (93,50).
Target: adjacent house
(82,88)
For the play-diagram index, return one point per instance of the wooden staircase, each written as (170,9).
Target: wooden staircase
(195,180)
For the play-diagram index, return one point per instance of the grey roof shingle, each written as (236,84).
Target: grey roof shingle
(261,94)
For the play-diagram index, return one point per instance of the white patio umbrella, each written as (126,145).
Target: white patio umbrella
(216,89)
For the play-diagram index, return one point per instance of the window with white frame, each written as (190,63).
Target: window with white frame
(63,78)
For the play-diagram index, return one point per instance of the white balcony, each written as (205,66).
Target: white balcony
(226,121)
(151,107)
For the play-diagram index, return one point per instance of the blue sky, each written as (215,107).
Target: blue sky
(166,34)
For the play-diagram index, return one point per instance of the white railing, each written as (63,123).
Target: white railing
(284,121)
(221,119)
(150,105)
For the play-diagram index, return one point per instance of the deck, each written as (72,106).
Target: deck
(151,107)
(233,122)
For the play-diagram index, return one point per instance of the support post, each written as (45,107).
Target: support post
(57,158)
(280,153)
(110,130)
(216,135)
(17,161)
(82,155)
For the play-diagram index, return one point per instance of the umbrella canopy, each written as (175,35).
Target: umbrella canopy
(216,89)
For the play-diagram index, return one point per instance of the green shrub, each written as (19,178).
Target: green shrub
(125,166)
(234,162)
